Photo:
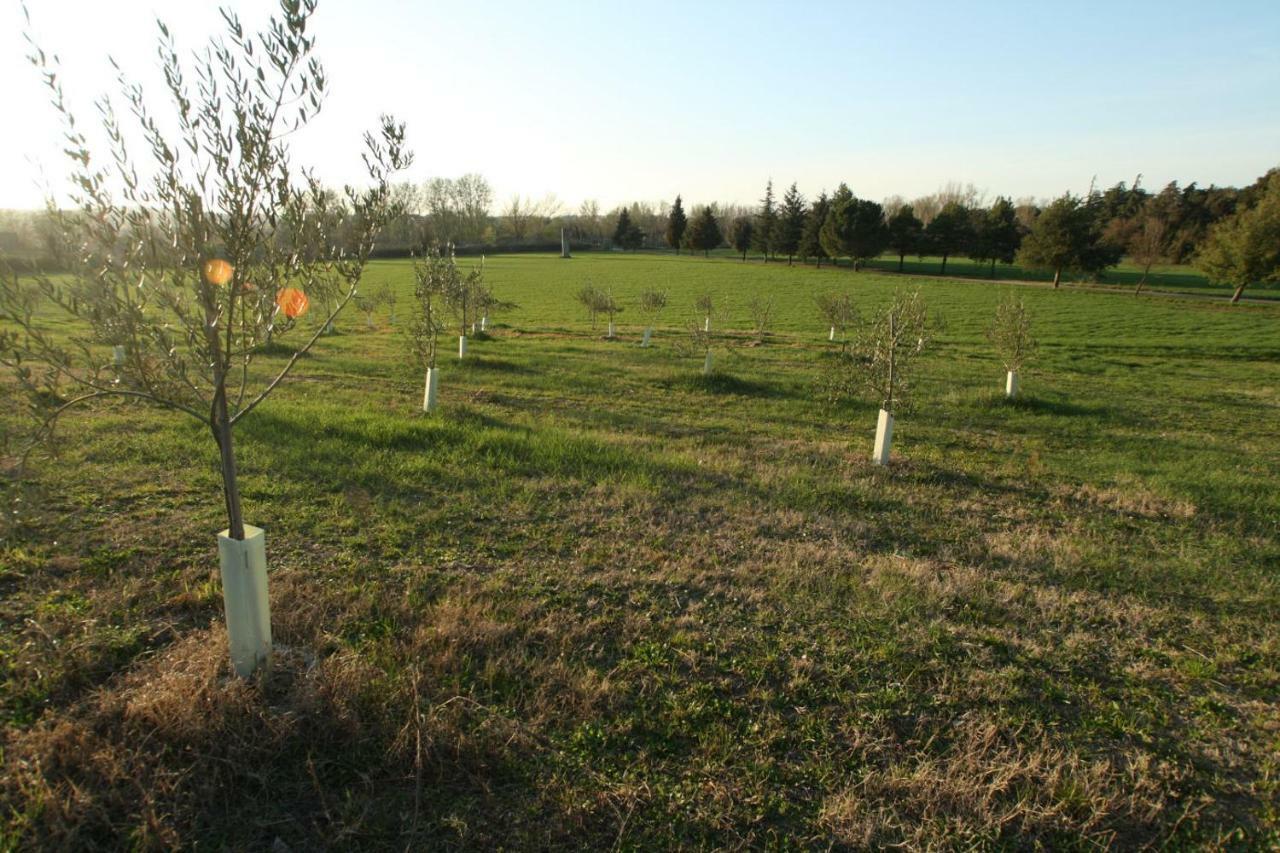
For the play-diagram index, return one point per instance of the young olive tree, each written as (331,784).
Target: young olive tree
(608,306)
(881,361)
(588,297)
(839,313)
(462,296)
(700,334)
(761,311)
(1010,334)
(188,262)
(435,276)
(652,303)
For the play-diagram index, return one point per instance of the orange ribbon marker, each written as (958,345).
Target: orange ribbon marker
(293,302)
(217,271)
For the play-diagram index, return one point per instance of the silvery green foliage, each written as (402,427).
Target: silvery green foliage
(435,275)
(838,312)
(215,181)
(1010,333)
(883,353)
(652,303)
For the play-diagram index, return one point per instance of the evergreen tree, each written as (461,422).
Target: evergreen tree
(906,234)
(704,231)
(811,238)
(676,224)
(741,234)
(950,231)
(623,230)
(1245,248)
(766,223)
(995,234)
(838,223)
(867,233)
(791,223)
(1065,237)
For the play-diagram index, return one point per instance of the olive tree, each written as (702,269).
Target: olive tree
(881,360)
(652,303)
(1010,334)
(181,266)
(760,308)
(462,296)
(839,313)
(434,277)
(700,334)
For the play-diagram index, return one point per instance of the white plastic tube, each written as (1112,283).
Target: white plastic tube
(610,335)
(706,325)
(117,355)
(244,592)
(429,394)
(706,365)
(648,333)
(462,347)
(884,438)
(484,323)
(832,336)
(1011,384)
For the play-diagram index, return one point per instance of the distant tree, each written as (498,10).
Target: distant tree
(791,222)
(854,227)
(950,232)
(1145,237)
(1244,248)
(906,233)
(704,231)
(811,239)
(741,235)
(652,303)
(676,224)
(591,298)
(996,236)
(765,234)
(1065,238)
(836,225)
(626,233)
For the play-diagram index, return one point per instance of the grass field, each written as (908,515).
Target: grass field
(600,601)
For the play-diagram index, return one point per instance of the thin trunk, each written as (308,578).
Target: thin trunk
(944,264)
(1057,277)
(993,267)
(744,256)
(901,260)
(1235,297)
(1142,280)
(221,427)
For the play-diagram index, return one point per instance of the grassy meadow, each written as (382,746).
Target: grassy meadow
(600,601)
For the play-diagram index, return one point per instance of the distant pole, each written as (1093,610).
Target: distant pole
(564,245)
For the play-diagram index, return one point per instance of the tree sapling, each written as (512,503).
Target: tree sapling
(1010,334)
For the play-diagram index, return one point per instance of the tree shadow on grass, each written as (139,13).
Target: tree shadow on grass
(727,383)
(495,365)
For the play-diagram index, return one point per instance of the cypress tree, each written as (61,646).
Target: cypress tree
(867,232)
(704,231)
(741,235)
(906,233)
(995,234)
(810,238)
(766,223)
(950,231)
(676,223)
(791,223)
(623,230)
(838,223)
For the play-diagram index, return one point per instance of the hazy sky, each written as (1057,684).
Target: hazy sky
(626,101)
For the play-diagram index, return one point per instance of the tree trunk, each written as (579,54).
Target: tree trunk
(1057,277)
(1142,280)
(944,265)
(1235,297)
(221,426)
(993,267)
(789,260)
(901,260)
(744,256)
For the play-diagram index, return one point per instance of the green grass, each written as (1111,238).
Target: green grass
(599,600)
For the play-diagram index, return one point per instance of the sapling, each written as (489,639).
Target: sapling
(761,311)
(192,264)
(700,334)
(1010,334)
(589,297)
(839,313)
(487,303)
(387,295)
(434,276)
(706,309)
(461,296)
(884,350)
(610,307)
(652,303)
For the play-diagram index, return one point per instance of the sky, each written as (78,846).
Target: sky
(640,101)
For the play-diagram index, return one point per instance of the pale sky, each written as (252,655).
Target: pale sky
(640,101)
